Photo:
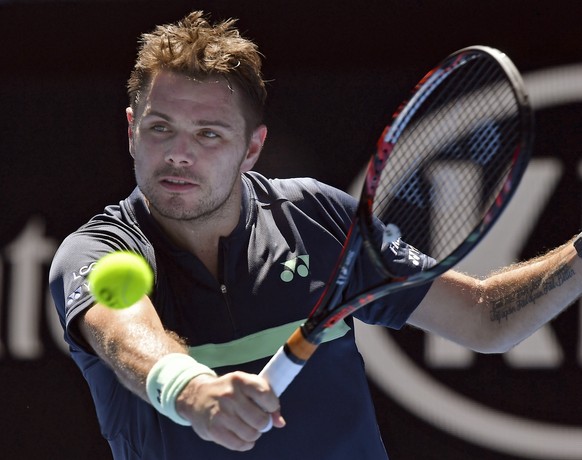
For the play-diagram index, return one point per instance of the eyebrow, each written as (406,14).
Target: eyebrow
(155,113)
(222,124)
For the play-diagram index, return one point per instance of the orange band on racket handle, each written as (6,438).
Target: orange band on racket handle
(299,346)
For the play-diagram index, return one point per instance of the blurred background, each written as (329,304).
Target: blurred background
(335,70)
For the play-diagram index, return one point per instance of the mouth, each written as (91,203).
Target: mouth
(177,184)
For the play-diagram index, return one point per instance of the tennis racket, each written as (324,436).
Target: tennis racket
(442,173)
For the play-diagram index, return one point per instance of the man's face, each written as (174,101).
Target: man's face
(190,146)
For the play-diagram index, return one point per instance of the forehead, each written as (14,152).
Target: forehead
(180,94)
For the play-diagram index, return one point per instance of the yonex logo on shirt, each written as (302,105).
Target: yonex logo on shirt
(77,294)
(299,265)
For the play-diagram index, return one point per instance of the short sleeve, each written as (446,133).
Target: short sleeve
(394,310)
(73,262)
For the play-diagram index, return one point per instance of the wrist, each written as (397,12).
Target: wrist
(166,380)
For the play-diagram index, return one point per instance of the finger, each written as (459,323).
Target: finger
(259,391)
(229,430)
(255,400)
(269,403)
(278,420)
(275,420)
(239,415)
(268,426)
(230,439)
(252,413)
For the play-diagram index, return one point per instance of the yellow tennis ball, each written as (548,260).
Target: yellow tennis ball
(120,279)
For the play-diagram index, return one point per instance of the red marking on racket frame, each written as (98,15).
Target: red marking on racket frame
(343,313)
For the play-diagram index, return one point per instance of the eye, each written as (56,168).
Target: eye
(209,134)
(159,128)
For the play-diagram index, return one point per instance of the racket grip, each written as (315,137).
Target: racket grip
(279,372)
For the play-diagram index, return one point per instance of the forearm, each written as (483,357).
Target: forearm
(130,342)
(495,314)
(522,298)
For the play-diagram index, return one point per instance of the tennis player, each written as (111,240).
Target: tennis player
(239,262)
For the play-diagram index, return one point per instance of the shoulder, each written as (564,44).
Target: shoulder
(301,191)
(115,229)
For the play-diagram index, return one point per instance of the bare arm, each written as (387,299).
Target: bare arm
(229,410)
(495,314)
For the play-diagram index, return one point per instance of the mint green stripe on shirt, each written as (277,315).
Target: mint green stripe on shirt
(255,346)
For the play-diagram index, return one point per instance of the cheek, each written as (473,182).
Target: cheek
(141,165)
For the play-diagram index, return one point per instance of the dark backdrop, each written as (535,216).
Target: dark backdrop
(335,68)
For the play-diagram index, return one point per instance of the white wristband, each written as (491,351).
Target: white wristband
(167,378)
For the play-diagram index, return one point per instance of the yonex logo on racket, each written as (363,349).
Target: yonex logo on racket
(414,256)
(298,265)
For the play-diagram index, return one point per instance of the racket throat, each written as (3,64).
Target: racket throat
(298,348)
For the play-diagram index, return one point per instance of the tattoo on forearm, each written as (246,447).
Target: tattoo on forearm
(512,301)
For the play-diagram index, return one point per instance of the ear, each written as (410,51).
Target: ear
(254,149)
(130,130)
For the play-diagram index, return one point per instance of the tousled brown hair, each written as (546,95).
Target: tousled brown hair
(194,47)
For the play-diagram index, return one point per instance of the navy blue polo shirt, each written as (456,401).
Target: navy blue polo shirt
(272,269)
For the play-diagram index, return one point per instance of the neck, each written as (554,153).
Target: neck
(201,235)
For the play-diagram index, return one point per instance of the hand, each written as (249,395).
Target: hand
(230,410)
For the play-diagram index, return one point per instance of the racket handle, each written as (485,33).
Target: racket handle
(279,372)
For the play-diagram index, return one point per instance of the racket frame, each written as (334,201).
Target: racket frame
(328,311)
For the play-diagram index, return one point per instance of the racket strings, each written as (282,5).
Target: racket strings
(428,122)
(453,154)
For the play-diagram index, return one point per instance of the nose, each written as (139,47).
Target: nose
(181,152)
